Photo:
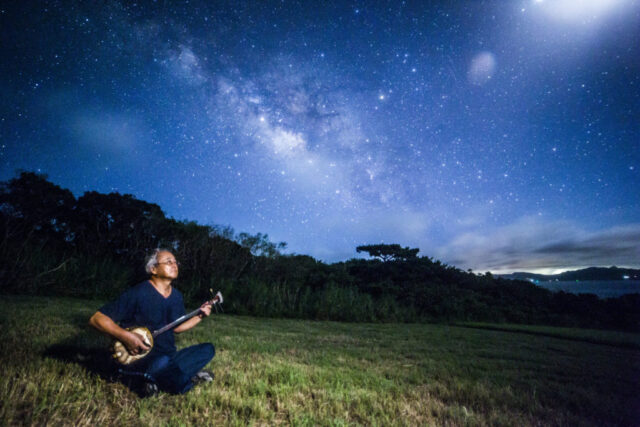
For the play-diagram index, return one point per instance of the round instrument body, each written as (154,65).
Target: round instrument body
(122,355)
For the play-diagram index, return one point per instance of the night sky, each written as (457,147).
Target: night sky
(492,135)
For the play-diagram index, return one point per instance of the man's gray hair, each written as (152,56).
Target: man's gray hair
(152,259)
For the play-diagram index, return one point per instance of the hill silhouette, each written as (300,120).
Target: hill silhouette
(591,273)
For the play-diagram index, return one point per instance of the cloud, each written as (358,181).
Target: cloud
(106,132)
(535,245)
(619,243)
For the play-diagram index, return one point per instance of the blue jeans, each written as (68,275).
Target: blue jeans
(173,372)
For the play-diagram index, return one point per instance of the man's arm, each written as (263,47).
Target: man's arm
(106,325)
(205,310)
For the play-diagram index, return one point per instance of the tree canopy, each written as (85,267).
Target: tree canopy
(389,252)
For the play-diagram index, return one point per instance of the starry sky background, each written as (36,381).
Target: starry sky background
(492,135)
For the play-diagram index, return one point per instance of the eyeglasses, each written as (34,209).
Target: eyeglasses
(170,262)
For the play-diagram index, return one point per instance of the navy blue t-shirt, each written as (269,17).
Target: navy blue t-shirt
(143,305)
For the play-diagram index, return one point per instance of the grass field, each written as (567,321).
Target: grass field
(276,371)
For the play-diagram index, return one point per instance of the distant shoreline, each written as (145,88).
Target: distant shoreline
(612,273)
(600,288)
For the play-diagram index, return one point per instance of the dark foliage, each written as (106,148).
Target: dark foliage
(94,246)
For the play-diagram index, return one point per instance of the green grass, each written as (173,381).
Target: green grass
(277,371)
(595,336)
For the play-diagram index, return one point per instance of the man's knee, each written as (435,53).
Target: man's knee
(158,364)
(208,350)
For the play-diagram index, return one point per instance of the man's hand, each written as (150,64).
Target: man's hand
(205,310)
(134,343)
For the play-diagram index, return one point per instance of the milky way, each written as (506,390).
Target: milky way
(491,135)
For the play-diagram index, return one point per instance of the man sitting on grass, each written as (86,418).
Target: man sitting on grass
(154,304)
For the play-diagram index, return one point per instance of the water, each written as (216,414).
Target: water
(602,288)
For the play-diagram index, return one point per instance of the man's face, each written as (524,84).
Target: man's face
(167,266)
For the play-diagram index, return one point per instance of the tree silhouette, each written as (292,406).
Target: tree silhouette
(392,252)
(260,245)
(42,208)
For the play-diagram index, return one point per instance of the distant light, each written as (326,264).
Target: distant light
(577,10)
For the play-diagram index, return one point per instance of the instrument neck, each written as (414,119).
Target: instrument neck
(176,322)
(182,319)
